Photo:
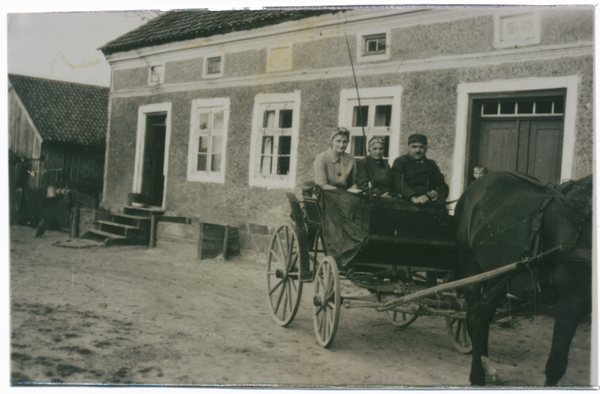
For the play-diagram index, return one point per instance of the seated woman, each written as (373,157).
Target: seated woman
(335,168)
(374,170)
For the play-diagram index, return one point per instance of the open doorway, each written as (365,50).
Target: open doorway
(153,176)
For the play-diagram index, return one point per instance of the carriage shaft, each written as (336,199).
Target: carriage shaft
(468,281)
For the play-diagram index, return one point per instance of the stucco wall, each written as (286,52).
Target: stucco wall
(241,64)
(474,35)
(428,106)
(188,70)
(130,78)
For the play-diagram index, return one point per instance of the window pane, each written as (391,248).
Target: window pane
(215,163)
(360,117)
(265,165)
(269,119)
(525,107)
(358,146)
(559,106)
(203,121)
(283,165)
(285,145)
(201,162)
(372,46)
(381,44)
(386,147)
(214,65)
(267,145)
(543,107)
(218,121)
(202,145)
(490,108)
(383,115)
(507,108)
(216,144)
(285,118)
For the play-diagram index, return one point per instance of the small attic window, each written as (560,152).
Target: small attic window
(156,75)
(374,44)
(213,66)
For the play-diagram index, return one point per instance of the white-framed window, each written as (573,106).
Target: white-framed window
(273,150)
(373,45)
(156,75)
(516,27)
(213,66)
(378,112)
(279,58)
(208,140)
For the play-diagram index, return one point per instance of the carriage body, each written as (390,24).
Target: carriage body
(384,232)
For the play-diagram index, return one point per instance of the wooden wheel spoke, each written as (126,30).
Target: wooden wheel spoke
(280,297)
(276,287)
(290,298)
(458,329)
(281,248)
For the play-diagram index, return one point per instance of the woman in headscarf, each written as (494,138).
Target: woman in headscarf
(335,168)
(373,172)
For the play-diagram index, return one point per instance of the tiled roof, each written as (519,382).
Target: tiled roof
(64,111)
(185,25)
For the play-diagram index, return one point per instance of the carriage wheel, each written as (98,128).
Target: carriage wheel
(327,301)
(284,288)
(400,319)
(457,331)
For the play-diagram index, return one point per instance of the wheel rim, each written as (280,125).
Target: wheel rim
(284,288)
(327,301)
(400,319)
(457,331)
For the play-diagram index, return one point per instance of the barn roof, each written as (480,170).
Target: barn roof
(185,25)
(64,111)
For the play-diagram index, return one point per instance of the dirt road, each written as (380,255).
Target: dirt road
(132,315)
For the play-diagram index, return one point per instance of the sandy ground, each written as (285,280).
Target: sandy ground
(133,315)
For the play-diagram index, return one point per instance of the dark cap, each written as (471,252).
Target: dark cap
(417,138)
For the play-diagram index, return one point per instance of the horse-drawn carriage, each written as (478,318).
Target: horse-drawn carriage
(390,247)
(418,260)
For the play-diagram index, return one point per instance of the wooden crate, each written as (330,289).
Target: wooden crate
(215,239)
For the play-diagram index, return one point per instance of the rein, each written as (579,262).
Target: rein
(567,207)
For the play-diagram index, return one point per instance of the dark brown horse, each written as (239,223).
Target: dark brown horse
(506,217)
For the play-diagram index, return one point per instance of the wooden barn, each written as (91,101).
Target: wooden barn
(57,134)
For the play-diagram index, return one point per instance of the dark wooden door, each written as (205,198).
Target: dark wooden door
(153,177)
(528,146)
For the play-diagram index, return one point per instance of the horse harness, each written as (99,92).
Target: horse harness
(532,250)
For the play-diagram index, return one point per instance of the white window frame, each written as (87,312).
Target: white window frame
(361,37)
(534,17)
(205,73)
(273,181)
(271,67)
(160,70)
(570,83)
(391,94)
(199,106)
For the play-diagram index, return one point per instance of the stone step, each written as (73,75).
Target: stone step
(133,217)
(125,226)
(105,234)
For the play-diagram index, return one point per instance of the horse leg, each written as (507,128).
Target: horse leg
(476,328)
(480,312)
(574,303)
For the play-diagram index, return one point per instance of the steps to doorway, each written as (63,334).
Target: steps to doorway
(132,227)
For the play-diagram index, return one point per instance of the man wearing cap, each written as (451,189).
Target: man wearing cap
(417,178)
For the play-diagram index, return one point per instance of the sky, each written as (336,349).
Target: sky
(64,46)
